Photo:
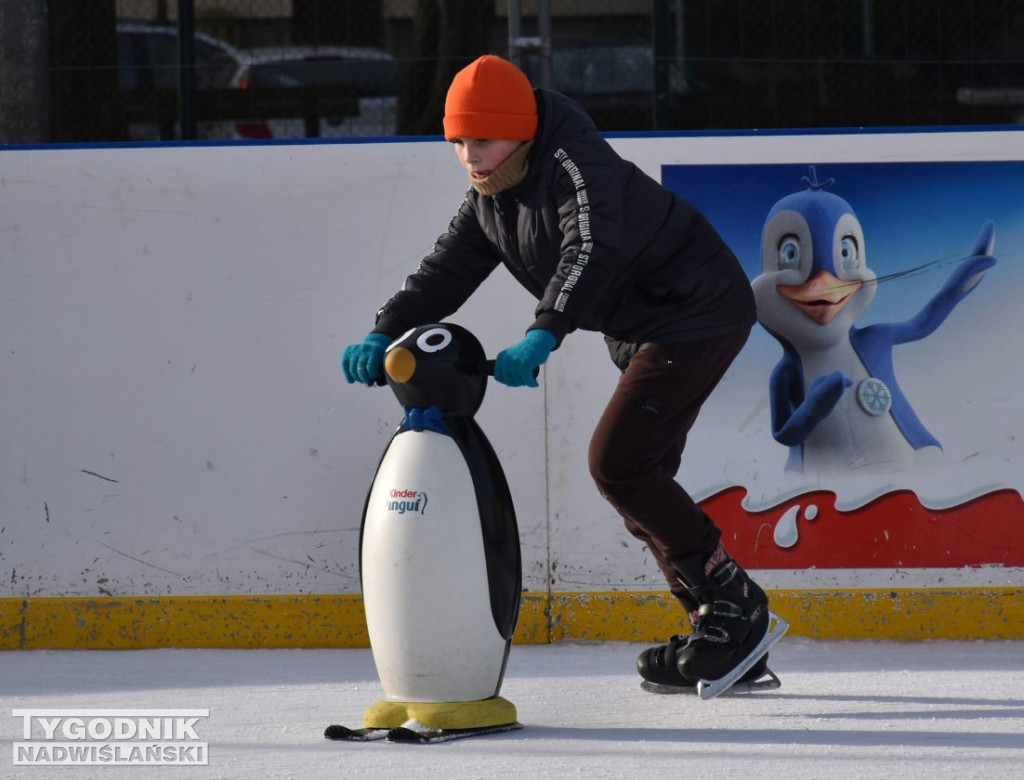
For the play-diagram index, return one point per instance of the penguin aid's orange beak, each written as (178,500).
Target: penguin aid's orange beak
(400,365)
(822,297)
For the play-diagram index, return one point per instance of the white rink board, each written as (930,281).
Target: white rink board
(174,420)
(172,320)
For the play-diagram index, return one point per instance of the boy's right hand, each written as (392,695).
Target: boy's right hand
(364,362)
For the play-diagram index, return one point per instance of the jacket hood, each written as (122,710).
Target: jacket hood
(558,116)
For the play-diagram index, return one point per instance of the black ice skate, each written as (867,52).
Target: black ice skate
(733,629)
(659,668)
(659,665)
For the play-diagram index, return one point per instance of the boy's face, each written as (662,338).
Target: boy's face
(480,156)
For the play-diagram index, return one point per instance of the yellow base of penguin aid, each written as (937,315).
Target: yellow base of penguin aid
(495,711)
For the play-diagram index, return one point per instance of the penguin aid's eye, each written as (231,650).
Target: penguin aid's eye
(434,340)
(849,253)
(789,253)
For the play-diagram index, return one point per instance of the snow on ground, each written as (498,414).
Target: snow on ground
(846,710)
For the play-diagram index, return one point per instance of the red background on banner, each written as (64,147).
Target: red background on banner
(894,531)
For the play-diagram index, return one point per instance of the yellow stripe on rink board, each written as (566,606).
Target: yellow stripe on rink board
(136,622)
(337,621)
(910,614)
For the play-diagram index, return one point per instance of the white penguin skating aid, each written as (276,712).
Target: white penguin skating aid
(439,553)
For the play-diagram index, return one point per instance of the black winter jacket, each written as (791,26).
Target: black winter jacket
(600,244)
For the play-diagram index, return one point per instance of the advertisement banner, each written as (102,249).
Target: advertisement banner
(885,367)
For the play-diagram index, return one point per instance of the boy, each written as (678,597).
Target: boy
(602,247)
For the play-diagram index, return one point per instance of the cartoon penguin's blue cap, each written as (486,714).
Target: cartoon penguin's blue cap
(440,365)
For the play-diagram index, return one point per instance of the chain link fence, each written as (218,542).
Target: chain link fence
(148,70)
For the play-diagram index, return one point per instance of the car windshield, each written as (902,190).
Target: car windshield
(366,77)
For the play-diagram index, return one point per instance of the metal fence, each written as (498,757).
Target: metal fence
(117,70)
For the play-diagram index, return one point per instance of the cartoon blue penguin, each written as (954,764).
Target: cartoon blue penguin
(835,400)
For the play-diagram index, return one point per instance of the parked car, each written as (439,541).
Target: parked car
(362,80)
(369,76)
(147,59)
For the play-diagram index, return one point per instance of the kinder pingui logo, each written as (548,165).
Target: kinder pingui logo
(402,501)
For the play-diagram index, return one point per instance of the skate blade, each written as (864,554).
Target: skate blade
(421,735)
(710,689)
(663,688)
(767,682)
(340,733)
(412,732)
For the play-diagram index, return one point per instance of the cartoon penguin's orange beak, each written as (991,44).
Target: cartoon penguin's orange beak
(822,296)
(400,364)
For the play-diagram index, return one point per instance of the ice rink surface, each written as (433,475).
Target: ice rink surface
(845,710)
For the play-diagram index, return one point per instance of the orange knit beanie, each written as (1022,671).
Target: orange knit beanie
(490,98)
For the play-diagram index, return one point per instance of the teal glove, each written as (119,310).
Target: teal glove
(364,362)
(517,365)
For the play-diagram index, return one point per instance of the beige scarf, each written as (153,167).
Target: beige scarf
(511,171)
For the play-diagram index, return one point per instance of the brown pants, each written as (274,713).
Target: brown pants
(638,444)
